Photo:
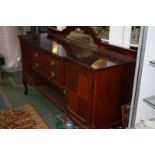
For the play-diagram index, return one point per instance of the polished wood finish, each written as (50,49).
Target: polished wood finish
(88,83)
(54,72)
(125,108)
(88,30)
(79,98)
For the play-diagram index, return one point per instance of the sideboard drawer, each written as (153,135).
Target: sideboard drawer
(45,58)
(49,73)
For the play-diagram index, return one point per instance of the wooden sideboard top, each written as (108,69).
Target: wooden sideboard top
(92,57)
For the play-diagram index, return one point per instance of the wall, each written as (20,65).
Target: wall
(120,35)
(61,28)
(147,84)
(9,46)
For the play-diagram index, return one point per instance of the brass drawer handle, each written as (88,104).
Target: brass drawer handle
(36,54)
(52,74)
(36,65)
(65,90)
(52,63)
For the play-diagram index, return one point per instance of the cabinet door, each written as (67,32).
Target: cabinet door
(79,93)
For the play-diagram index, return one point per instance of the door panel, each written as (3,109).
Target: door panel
(79,93)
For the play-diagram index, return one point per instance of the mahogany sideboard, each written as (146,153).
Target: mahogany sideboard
(88,83)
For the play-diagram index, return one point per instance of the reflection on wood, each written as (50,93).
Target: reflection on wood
(89,83)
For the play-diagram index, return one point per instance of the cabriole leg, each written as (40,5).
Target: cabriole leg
(25,86)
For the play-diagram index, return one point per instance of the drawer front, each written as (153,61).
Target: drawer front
(45,58)
(49,66)
(47,72)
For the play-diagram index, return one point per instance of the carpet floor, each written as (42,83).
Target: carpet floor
(21,117)
(13,91)
(2,102)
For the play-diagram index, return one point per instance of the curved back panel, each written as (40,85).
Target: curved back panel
(90,31)
(87,30)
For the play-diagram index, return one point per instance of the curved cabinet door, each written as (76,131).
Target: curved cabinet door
(79,93)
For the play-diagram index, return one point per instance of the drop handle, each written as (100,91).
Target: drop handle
(36,54)
(65,90)
(52,74)
(36,65)
(52,63)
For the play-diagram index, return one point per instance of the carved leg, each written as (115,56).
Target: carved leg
(25,86)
